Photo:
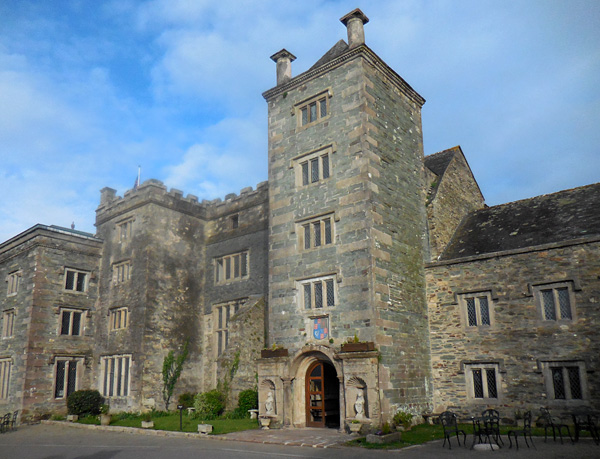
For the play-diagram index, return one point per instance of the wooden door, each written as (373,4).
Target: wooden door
(315,395)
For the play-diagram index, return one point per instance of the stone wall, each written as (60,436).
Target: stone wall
(42,255)
(451,197)
(518,340)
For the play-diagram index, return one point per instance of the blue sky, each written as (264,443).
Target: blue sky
(89,90)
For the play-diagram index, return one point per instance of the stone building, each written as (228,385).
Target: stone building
(356,236)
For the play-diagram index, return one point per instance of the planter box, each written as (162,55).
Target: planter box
(389,438)
(147,424)
(205,429)
(354,427)
(358,347)
(268,353)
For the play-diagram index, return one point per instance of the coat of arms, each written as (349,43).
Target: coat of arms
(321,328)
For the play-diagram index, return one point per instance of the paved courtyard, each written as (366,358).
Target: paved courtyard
(65,441)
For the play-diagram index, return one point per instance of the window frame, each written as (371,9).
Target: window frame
(538,290)
(120,315)
(115,375)
(564,365)
(304,107)
(463,300)
(68,362)
(8,323)
(308,225)
(71,311)
(319,293)
(303,166)
(5,373)
(13,280)
(484,367)
(222,315)
(125,229)
(226,267)
(122,272)
(76,282)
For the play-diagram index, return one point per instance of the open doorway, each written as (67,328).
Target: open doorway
(322,396)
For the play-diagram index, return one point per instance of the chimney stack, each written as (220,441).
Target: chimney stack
(284,61)
(354,22)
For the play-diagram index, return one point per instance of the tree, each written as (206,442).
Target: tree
(171,371)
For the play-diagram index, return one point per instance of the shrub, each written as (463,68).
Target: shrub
(402,418)
(186,399)
(84,402)
(247,400)
(209,405)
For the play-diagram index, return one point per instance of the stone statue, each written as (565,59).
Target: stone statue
(359,405)
(270,404)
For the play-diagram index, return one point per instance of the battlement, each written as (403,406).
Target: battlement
(155,191)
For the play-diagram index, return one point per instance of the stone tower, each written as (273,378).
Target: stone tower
(346,239)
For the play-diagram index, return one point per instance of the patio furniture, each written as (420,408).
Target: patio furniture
(586,421)
(5,422)
(487,426)
(525,431)
(554,424)
(449,422)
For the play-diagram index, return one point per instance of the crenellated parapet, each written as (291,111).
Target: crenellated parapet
(151,191)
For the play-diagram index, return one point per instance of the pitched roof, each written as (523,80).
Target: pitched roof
(438,162)
(336,50)
(545,219)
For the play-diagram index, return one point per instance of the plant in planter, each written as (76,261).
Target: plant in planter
(104,414)
(147,422)
(355,345)
(275,351)
(403,419)
(355,426)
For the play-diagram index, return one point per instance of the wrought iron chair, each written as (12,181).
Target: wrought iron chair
(13,420)
(525,431)
(5,422)
(449,422)
(586,421)
(488,426)
(554,424)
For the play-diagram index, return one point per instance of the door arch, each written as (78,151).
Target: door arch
(322,395)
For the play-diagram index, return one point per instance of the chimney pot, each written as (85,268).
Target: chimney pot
(354,22)
(284,61)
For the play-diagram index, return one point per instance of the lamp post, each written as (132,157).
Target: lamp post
(180,408)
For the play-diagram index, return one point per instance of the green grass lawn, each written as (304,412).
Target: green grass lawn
(171,422)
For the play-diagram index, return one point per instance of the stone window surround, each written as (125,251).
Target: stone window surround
(220,270)
(121,375)
(13,280)
(70,311)
(300,230)
(235,220)
(543,368)
(79,367)
(461,296)
(468,366)
(224,311)
(465,368)
(5,369)
(121,271)
(78,273)
(124,229)
(118,318)
(297,161)
(325,96)
(8,322)
(300,282)
(534,288)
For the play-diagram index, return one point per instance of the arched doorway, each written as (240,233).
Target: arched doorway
(322,396)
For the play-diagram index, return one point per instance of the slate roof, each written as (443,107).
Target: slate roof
(438,162)
(336,50)
(550,218)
